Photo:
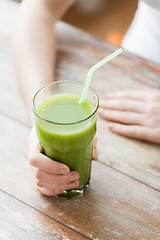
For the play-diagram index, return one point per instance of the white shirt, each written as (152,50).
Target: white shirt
(143,36)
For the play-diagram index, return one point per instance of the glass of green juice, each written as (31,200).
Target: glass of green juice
(66,129)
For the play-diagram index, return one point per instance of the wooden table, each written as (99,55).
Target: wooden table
(123,201)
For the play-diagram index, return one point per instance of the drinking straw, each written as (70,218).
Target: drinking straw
(92,70)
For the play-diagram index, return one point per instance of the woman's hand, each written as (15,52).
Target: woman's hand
(51,177)
(133,113)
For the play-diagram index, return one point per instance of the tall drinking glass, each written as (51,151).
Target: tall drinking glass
(71,142)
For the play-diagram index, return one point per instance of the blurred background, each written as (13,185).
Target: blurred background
(107,19)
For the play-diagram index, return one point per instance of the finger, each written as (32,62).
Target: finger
(138,132)
(48,178)
(123,104)
(121,116)
(57,188)
(46,164)
(131,94)
(46,192)
(95,152)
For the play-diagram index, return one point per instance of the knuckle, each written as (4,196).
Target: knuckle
(122,103)
(58,189)
(125,118)
(155,122)
(33,160)
(122,129)
(128,117)
(149,108)
(156,96)
(128,93)
(154,133)
(155,108)
(158,132)
(119,127)
(157,135)
(50,193)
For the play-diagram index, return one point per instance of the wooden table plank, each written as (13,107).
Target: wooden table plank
(115,207)
(75,56)
(77,52)
(19,221)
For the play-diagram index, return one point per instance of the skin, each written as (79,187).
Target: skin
(34,57)
(34,53)
(133,113)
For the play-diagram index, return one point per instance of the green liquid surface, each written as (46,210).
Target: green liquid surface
(70,144)
(65,109)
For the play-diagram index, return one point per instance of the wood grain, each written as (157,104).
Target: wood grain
(115,206)
(122,201)
(20,221)
(77,52)
(76,55)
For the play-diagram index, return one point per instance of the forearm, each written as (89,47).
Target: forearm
(34,63)
(34,47)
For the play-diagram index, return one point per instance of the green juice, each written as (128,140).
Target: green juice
(67,134)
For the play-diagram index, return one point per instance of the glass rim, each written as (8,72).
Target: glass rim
(58,123)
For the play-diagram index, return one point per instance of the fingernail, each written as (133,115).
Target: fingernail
(72,185)
(64,171)
(111,126)
(73,178)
